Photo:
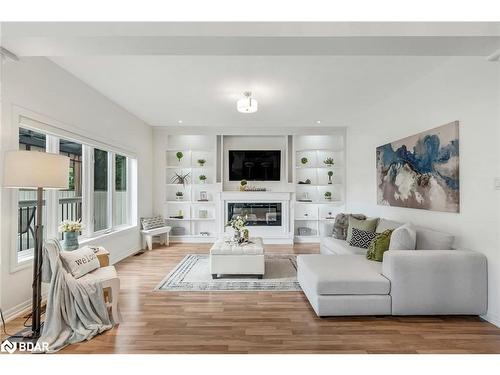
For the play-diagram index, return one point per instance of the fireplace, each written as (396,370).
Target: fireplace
(256,214)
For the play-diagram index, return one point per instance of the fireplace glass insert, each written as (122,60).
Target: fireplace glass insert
(256,214)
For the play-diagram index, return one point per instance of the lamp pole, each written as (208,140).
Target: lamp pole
(37,268)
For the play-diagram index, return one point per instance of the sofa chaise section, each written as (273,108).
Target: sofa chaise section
(344,285)
(436,282)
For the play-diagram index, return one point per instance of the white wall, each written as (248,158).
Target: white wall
(44,88)
(463,89)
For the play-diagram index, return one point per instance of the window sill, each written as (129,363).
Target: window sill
(122,230)
(26,260)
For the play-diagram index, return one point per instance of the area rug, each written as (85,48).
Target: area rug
(193,274)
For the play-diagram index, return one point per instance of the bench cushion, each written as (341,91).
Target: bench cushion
(342,274)
(221,247)
(156,231)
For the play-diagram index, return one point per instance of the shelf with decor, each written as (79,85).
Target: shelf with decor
(190,172)
(319,178)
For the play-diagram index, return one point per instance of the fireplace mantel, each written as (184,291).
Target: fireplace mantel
(253,196)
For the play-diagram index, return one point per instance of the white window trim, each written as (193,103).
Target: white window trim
(23,259)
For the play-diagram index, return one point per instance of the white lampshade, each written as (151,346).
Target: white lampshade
(32,169)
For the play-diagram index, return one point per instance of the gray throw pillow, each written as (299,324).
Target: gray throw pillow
(152,222)
(341,225)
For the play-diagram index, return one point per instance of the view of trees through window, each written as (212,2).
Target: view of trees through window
(100,189)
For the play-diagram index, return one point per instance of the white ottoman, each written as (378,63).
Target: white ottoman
(232,259)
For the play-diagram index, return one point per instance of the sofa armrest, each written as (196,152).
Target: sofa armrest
(432,282)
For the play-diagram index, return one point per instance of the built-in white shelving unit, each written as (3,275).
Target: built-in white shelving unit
(313,212)
(191,217)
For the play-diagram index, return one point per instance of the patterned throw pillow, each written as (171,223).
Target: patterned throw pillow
(361,238)
(379,246)
(368,225)
(152,222)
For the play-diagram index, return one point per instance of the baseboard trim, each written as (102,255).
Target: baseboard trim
(491,318)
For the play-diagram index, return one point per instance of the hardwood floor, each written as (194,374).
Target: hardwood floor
(262,322)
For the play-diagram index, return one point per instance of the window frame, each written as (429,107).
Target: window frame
(53,136)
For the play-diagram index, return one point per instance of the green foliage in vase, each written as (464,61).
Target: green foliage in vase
(179,155)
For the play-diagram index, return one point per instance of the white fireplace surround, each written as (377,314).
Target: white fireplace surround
(271,234)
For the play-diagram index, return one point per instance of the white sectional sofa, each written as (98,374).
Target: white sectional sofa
(434,279)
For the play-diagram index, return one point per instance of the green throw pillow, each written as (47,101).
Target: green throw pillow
(368,225)
(379,246)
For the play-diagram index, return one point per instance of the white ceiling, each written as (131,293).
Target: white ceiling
(299,72)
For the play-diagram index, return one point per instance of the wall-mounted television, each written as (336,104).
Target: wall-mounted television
(254,165)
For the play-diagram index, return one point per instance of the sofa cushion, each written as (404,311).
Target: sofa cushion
(341,275)
(368,225)
(361,238)
(384,224)
(341,225)
(403,238)
(428,239)
(379,246)
(339,247)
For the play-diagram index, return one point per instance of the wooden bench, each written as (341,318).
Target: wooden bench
(163,232)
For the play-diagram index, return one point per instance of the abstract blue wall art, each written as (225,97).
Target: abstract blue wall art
(421,171)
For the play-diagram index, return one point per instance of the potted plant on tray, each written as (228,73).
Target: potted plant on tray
(70,230)
(241,233)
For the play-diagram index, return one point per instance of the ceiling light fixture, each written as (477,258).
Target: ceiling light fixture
(180,121)
(318,122)
(247,104)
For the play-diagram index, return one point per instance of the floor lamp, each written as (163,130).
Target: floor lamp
(36,170)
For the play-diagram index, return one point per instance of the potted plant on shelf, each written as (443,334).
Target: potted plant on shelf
(243,185)
(179,195)
(330,175)
(180,179)
(179,156)
(328,162)
(304,161)
(201,162)
(328,195)
(202,178)
(70,230)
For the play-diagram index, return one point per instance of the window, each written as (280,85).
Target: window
(100,190)
(70,202)
(29,140)
(101,183)
(120,199)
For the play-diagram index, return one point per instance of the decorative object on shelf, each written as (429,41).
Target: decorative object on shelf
(178,231)
(328,195)
(70,230)
(306,182)
(328,162)
(179,195)
(179,155)
(304,231)
(305,198)
(202,178)
(204,234)
(304,161)
(330,175)
(330,216)
(421,171)
(201,162)
(255,188)
(203,196)
(247,104)
(238,225)
(243,185)
(203,214)
(180,179)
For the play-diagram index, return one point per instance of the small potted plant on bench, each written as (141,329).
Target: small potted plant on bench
(202,178)
(328,195)
(179,195)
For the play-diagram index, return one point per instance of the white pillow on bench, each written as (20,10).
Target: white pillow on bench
(80,262)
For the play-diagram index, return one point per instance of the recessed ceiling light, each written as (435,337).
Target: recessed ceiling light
(180,121)
(318,122)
